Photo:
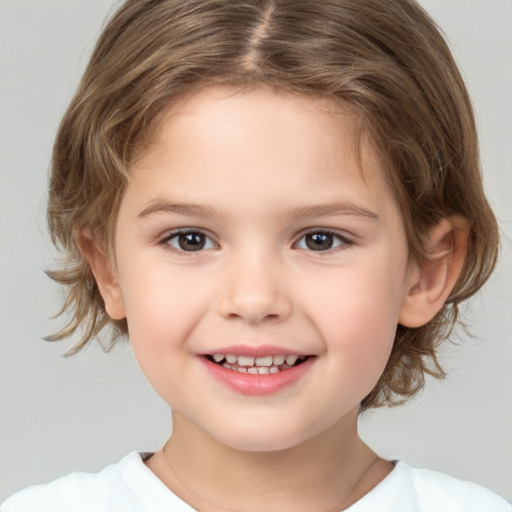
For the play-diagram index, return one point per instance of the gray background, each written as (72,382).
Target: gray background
(59,415)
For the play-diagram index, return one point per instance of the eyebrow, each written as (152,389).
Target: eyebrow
(157,207)
(305,211)
(338,208)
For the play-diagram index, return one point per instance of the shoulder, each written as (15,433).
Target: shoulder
(408,489)
(439,489)
(106,490)
(128,486)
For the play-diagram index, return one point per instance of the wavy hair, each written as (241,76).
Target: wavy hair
(385,59)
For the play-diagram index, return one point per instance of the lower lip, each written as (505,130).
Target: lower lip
(257,384)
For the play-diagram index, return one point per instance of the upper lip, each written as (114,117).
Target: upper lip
(255,351)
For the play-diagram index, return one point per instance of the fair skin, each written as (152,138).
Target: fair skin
(249,229)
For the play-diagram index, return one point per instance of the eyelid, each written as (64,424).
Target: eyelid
(170,235)
(342,236)
(346,240)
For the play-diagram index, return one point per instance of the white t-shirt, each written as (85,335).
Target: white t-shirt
(130,486)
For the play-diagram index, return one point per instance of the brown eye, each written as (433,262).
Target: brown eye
(321,241)
(189,241)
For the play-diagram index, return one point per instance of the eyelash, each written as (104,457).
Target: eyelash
(344,241)
(174,235)
(165,241)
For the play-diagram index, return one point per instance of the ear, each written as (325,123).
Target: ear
(431,281)
(104,272)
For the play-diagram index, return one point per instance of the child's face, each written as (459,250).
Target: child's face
(286,248)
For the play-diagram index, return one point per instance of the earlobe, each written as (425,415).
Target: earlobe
(431,281)
(104,272)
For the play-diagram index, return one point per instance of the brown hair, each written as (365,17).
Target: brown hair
(384,58)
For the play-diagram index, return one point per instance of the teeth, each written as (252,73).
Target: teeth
(263,361)
(259,365)
(278,360)
(291,360)
(245,361)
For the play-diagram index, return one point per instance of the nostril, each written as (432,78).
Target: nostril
(253,317)
(252,302)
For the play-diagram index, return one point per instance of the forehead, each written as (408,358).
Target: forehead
(234,111)
(251,139)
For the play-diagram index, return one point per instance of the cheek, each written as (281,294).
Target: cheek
(153,301)
(158,323)
(164,304)
(357,312)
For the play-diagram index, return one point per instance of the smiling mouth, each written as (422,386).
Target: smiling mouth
(264,365)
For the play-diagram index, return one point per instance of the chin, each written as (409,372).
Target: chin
(272,437)
(261,444)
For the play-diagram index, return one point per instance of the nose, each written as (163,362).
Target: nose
(254,291)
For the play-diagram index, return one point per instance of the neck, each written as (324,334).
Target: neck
(328,472)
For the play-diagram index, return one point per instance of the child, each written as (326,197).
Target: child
(280,204)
